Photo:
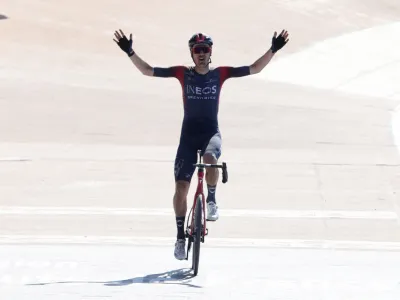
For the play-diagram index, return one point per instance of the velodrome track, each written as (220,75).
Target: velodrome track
(311,209)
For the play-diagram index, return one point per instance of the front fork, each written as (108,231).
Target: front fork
(199,191)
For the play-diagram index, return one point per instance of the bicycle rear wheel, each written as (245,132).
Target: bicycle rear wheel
(197,234)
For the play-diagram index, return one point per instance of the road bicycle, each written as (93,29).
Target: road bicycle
(197,229)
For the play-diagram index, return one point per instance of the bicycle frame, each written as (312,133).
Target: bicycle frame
(199,191)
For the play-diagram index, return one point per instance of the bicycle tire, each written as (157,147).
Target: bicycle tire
(197,234)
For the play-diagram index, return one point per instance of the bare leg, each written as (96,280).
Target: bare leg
(180,205)
(211,179)
(212,174)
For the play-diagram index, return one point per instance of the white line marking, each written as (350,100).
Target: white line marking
(209,242)
(12,159)
(302,214)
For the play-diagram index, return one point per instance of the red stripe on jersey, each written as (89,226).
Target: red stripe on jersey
(224,75)
(180,75)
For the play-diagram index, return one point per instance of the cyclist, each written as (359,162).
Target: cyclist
(201,87)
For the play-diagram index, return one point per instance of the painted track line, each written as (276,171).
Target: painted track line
(302,214)
(209,242)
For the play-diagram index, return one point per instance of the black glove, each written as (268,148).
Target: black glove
(124,43)
(279,42)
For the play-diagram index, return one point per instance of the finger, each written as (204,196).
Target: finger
(122,33)
(130,36)
(117,35)
(115,41)
(275,34)
(282,32)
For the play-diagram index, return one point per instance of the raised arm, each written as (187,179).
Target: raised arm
(277,44)
(126,46)
(143,66)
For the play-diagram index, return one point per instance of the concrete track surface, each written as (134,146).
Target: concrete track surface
(87,144)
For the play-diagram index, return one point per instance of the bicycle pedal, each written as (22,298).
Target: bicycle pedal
(188,233)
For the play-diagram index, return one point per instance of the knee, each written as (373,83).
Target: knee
(209,158)
(181,190)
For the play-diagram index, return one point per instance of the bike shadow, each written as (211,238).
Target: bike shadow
(178,276)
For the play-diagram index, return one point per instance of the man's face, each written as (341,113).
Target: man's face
(201,54)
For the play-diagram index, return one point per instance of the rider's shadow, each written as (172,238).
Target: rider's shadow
(179,276)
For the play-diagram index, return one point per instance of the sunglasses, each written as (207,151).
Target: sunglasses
(198,49)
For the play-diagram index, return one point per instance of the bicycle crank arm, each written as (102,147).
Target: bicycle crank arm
(188,250)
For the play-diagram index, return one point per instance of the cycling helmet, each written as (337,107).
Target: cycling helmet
(200,38)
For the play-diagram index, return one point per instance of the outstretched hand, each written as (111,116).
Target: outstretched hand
(280,41)
(123,42)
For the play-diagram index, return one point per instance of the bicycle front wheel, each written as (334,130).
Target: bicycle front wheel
(197,234)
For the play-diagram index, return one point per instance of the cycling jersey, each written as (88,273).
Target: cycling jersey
(201,94)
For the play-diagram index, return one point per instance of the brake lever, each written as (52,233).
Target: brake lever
(224,173)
